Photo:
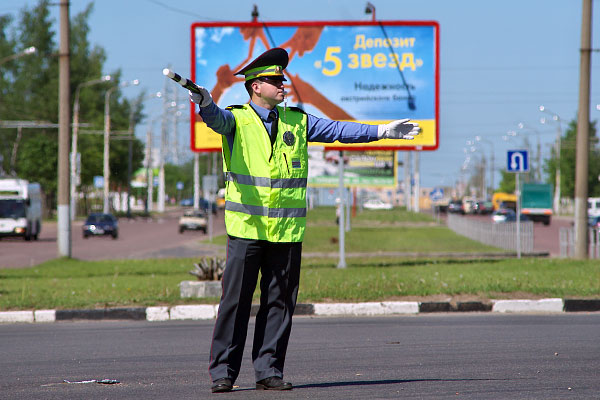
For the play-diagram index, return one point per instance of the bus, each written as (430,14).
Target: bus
(20,208)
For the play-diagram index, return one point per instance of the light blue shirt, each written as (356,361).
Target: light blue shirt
(318,129)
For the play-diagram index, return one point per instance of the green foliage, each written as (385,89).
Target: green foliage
(507,184)
(568,161)
(38,160)
(29,92)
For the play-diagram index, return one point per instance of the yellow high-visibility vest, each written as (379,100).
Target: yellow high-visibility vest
(265,195)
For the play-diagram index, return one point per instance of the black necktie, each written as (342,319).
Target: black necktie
(274,120)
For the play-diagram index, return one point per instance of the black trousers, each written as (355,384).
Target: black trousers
(279,265)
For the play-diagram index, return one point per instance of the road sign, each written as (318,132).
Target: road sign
(517,161)
(98,182)
(436,194)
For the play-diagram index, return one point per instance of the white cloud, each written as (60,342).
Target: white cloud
(220,33)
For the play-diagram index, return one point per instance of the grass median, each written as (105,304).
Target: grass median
(73,284)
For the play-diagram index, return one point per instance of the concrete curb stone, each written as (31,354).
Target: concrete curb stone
(209,311)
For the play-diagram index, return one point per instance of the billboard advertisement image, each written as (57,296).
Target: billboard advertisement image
(369,72)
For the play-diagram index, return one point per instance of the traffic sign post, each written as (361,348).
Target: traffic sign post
(436,194)
(517,161)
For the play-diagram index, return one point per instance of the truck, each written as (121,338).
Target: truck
(20,208)
(536,201)
(504,200)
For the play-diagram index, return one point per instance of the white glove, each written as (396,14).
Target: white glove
(399,129)
(202,99)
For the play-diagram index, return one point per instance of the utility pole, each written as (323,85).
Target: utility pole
(583,125)
(64,119)
(417,195)
(407,180)
(163,148)
(197,181)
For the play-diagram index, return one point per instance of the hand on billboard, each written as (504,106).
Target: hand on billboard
(203,99)
(399,129)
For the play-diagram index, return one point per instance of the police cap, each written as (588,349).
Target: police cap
(269,64)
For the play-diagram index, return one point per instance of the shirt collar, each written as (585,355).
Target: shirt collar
(262,112)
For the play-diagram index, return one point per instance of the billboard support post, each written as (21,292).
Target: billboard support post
(341,223)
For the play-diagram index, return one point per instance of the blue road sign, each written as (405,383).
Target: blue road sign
(517,161)
(436,194)
(98,182)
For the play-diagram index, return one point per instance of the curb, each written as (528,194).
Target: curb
(207,312)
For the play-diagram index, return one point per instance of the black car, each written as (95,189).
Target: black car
(456,207)
(101,224)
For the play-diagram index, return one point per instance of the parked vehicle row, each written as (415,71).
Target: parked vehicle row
(462,207)
(203,204)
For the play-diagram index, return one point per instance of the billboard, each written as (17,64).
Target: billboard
(369,72)
(371,168)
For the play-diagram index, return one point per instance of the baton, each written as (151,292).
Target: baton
(186,83)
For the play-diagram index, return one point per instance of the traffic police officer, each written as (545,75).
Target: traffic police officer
(265,160)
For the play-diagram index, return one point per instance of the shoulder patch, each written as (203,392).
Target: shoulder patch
(234,106)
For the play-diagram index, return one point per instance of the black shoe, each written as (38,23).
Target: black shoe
(273,383)
(222,385)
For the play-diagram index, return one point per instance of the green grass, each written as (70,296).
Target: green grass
(67,284)
(396,215)
(381,279)
(72,284)
(382,231)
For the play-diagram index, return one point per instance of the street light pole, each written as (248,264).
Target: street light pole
(492,159)
(64,118)
(583,134)
(75,128)
(149,171)
(556,118)
(105,206)
(130,144)
(25,52)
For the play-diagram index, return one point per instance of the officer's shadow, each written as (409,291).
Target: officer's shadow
(388,382)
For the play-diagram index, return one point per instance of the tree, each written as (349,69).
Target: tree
(29,91)
(568,161)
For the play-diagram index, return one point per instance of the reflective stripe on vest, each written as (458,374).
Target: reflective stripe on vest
(266,182)
(265,211)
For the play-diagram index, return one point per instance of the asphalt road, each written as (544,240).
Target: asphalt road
(139,238)
(158,238)
(443,356)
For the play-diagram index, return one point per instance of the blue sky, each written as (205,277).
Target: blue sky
(499,61)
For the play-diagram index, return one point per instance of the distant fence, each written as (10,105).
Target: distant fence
(567,242)
(503,235)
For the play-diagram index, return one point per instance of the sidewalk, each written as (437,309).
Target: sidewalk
(207,312)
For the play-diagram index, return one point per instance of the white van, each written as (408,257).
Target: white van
(20,208)
(593,206)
